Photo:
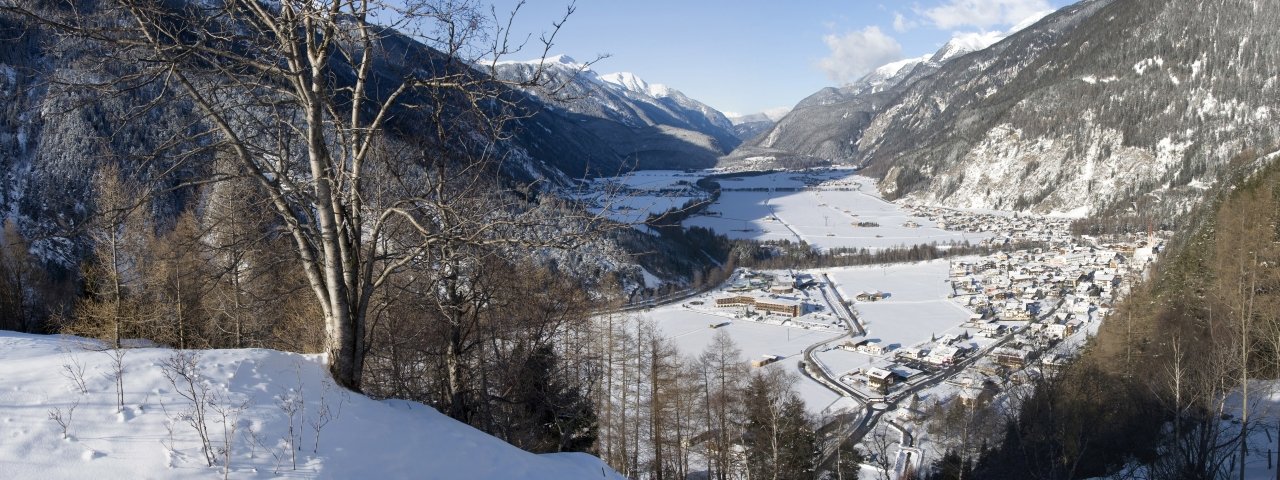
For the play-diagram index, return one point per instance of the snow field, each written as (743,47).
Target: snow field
(691,332)
(632,198)
(366,438)
(917,307)
(824,218)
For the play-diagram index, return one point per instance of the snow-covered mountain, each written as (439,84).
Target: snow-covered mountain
(825,125)
(652,125)
(752,125)
(821,125)
(1098,106)
(285,418)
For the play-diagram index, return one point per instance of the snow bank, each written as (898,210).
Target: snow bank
(366,438)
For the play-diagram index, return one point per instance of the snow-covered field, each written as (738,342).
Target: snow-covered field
(825,216)
(690,329)
(916,311)
(917,306)
(150,438)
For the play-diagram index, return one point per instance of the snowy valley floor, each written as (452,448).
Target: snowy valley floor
(151,437)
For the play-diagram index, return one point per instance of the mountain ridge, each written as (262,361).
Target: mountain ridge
(1097,106)
(653,126)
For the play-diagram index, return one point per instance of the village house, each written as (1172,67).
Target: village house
(765,360)
(870,296)
(944,355)
(879,379)
(873,348)
(1014,358)
(735,301)
(911,353)
(991,330)
(779,306)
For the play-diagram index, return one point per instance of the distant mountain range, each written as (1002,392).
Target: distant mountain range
(752,125)
(1104,104)
(649,126)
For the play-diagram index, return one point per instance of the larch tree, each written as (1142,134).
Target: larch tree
(723,370)
(112,309)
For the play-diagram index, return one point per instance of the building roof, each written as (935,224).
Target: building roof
(878,373)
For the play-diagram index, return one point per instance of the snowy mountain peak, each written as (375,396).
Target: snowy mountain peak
(561,59)
(770,115)
(964,43)
(629,81)
(666,126)
(892,69)
(556,61)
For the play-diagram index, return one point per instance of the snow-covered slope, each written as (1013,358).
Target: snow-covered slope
(826,124)
(656,125)
(1100,106)
(770,115)
(151,437)
(1094,108)
(632,83)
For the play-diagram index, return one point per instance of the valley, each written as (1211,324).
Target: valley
(883,343)
(956,240)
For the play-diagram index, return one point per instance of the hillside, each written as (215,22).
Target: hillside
(1183,370)
(826,124)
(152,436)
(55,134)
(1094,108)
(1097,106)
(651,126)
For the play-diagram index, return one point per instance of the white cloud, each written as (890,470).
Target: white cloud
(856,53)
(983,13)
(902,24)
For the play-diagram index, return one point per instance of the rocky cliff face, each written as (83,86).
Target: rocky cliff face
(1103,104)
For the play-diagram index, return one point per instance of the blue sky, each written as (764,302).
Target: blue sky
(747,56)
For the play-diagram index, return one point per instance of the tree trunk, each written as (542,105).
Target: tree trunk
(453,365)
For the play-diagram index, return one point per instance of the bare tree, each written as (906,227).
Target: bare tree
(73,370)
(883,449)
(112,309)
(301,94)
(182,370)
(25,296)
(116,374)
(723,370)
(63,417)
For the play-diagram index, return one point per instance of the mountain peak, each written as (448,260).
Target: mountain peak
(632,82)
(965,43)
(554,61)
(561,59)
